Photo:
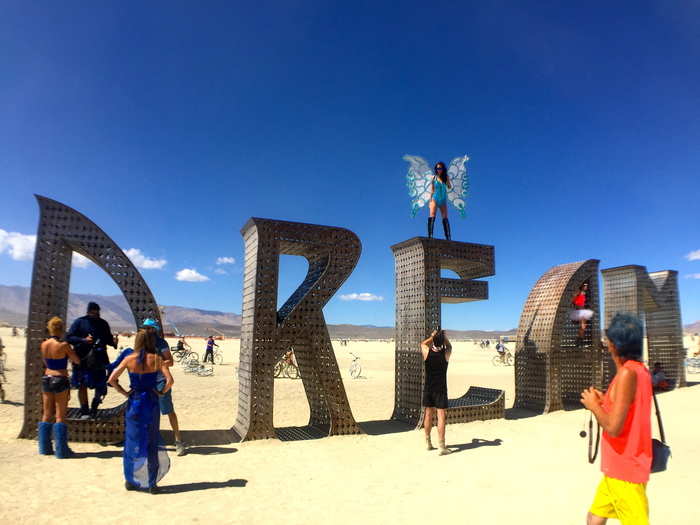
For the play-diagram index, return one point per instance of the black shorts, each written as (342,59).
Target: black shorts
(54,384)
(435,398)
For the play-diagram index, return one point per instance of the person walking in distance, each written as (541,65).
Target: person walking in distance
(624,414)
(436,351)
(210,349)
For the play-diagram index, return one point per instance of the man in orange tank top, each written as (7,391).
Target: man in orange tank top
(624,414)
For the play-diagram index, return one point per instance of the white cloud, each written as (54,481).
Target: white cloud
(693,256)
(364,296)
(19,246)
(190,275)
(225,260)
(80,261)
(220,271)
(693,276)
(143,262)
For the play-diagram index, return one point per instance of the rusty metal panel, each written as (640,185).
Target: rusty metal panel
(62,231)
(266,333)
(420,291)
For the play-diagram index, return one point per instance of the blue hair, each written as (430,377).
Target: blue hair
(626,333)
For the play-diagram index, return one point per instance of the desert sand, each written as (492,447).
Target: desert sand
(523,469)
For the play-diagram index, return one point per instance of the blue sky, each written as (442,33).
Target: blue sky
(170,124)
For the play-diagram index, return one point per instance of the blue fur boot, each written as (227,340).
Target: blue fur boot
(45,447)
(60,437)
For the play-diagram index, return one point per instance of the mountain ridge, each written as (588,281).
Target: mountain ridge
(14,305)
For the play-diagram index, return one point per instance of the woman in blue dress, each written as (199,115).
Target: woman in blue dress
(145,460)
(438,199)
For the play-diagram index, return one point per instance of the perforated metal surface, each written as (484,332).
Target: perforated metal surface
(266,333)
(551,370)
(63,230)
(653,297)
(420,291)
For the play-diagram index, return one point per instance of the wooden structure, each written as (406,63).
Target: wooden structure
(267,333)
(551,369)
(420,292)
(63,231)
(653,297)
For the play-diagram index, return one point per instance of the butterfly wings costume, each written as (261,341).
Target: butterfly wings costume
(421,179)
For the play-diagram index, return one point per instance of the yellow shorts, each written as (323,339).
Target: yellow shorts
(621,500)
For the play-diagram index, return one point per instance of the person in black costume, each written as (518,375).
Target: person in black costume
(90,335)
(436,351)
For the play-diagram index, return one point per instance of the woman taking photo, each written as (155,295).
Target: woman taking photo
(145,462)
(55,387)
(624,414)
(436,351)
(438,199)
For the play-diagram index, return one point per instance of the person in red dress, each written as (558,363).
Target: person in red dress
(581,313)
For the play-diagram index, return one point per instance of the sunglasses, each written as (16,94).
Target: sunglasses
(439,169)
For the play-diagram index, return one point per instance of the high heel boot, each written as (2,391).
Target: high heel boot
(431,226)
(446,227)
(60,438)
(45,447)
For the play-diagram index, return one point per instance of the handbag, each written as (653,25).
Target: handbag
(660,451)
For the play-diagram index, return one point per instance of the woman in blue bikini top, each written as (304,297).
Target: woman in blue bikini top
(55,390)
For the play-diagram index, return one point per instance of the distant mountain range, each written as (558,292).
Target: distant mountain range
(14,304)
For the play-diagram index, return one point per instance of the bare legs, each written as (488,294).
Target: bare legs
(592,519)
(582,325)
(428,426)
(55,405)
(175,425)
(445,222)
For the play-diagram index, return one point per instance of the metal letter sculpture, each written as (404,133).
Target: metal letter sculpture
(551,371)
(420,291)
(266,333)
(62,231)
(653,297)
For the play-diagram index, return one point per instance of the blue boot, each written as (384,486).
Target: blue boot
(60,437)
(45,447)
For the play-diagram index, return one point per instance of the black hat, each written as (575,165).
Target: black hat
(92,306)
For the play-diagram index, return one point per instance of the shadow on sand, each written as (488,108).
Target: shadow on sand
(195,438)
(104,454)
(476,443)
(210,451)
(520,413)
(202,485)
(385,426)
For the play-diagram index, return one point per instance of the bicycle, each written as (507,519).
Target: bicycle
(355,367)
(218,357)
(692,365)
(283,368)
(505,359)
(183,356)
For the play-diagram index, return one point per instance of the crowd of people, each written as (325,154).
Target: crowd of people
(149,396)
(623,411)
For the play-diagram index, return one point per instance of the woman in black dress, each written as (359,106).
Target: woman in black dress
(436,351)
